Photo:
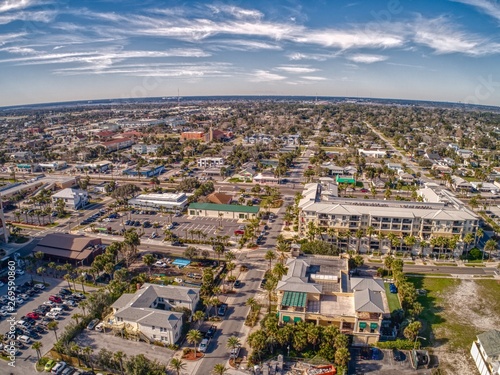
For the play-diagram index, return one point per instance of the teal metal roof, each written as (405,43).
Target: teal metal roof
(224,207)
(295,299)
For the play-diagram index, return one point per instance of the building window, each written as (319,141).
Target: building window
(154,336)
(153,328)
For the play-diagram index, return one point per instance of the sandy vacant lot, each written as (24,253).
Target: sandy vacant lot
(456,311)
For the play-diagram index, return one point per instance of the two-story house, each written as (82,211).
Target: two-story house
(486,352)
(154,312)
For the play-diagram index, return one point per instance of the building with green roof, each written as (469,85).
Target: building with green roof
(224,211)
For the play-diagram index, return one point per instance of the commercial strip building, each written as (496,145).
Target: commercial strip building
(68,248)
(321,292)
(486,352)
(168,201)
(145,171)
(154,312)
(223,211)
(334,216)
(209,162)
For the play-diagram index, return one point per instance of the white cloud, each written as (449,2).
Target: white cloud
(444,38)
(242,45)
(9,5)
(296,56)
(491,8)
(235,11)
(367,59)
(44,16)
(296,69)
(314,78)
(266,76)
(347,39)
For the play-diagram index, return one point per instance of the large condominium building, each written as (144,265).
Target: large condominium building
(320,291)
(423,220)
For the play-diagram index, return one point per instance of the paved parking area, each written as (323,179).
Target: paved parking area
(385,366)
(207,225)
(25,362)
(98,340)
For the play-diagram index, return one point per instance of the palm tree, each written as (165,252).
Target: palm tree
(270,256)
(81,279)
(198,316)
(41,271)
(119,356)
(88,352)
(68,278)
(410,241)
(76,349)
(177,365)
(52,326)
(370,231)
(359,235)
(37,345)
(148,260)
(468,239)
(252,302)
(83,305)
(479,235)
(219,369)
(194,337)
(490,245)
(233,342)
(76,316)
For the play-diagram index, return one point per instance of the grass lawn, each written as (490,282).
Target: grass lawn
(434,315)
(392,299)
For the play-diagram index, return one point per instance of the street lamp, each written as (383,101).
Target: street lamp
(288,347)
(415,343)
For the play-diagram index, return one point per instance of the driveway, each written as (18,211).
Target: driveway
(98,340)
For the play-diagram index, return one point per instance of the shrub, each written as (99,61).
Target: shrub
(397,344)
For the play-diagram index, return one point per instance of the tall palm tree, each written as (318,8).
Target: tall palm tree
(52,326)
(359,235)
(37,345)
(479,235)
(148,260)
(198,317)
(75,348)
(490,246)
(468,239)
(370,231)
(177,365)
(194,337)
(270,256)
(118,357)
(219,369)
(233,342)
(88,352)
(76,317)
(41,272)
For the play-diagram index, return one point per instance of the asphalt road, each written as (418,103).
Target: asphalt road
(440,269)
(232,325)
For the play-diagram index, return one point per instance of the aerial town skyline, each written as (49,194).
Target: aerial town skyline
(58,51)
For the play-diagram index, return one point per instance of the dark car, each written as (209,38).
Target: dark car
(237,284)
(65,291)
(222,310)
(393,288)
(398,355)
(377,354)
(137,223)
(177,243)
(211,332)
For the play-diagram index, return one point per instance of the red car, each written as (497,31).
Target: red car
(55,299)
(33,315)
(239,232)
(364,190)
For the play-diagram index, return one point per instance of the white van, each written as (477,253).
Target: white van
(25,339)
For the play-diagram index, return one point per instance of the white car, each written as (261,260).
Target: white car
(39,286)
(19,301)
(99,327)
(178,280)
(52,315)
(49,303)
(203,346)
(160,264)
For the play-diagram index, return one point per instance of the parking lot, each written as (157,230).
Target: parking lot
(384,365)
(157,223)
(27,356)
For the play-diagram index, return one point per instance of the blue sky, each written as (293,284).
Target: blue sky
(427,49)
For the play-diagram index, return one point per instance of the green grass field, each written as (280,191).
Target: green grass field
(392,299)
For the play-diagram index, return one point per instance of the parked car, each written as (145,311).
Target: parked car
(393,288)
(376,354)
(235,352)
(50,363)
(398,355)
(211,331)
(55,299)
(99,327)
(92,324)
(33,315)
(160,264)
(222,310)
(203,345)
(58,368)
(237,284)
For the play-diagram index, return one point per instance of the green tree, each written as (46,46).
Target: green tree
(119,356)
(490,246)
(219,369)
(270,256)
(233,342)
(148,260)
(194,337)
(412,330)
(52,326)
(199,316)
(342,357)
(37,345)
(177,365)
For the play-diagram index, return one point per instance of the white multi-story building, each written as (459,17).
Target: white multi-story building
(74,199)
(145,149)
(422,220)
(486,352)
(155,311)
(169,201)
(210,162)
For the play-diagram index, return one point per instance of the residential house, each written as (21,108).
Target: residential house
(220,198)
(154,312)
(486,352)
(459,184)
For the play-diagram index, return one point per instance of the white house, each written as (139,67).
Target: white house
(143,148)
(486,353)
(74,199)
(156,310)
